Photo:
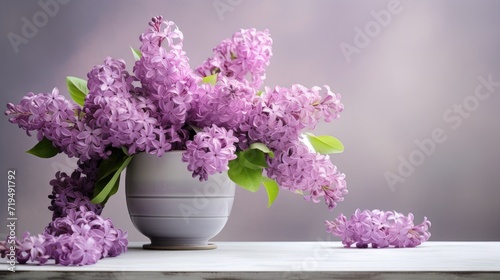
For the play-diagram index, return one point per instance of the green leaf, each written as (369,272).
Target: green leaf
(100,185)
(101,194)
(272,190)
(136,53)
(111,164)
(77,89)
(114,189)
(212,79)
(44,149)
(325,144)
(195,128)
(262,147)
(247,178)
(253,159)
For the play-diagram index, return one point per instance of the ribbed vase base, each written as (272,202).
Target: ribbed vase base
(209,246)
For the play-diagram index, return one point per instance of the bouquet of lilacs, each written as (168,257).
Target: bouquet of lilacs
(218,114)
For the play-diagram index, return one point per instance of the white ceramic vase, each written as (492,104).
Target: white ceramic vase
(174,210)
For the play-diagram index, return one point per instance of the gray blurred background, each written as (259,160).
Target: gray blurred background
(406,79)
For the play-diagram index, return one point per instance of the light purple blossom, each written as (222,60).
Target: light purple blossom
(210,151)
(297,169)
(52,116)
(165,74)
(43,112)
(80,238)
(77,234)
(227,104)
(73,192)
(112,78)
(280,114)
(380,229)
(247,53)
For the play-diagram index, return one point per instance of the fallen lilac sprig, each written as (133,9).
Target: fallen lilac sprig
(380,229)
(77,234)
(80,238)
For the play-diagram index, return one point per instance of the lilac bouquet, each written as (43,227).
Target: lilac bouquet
(218,114)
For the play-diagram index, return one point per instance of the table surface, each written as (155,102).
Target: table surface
(287,260)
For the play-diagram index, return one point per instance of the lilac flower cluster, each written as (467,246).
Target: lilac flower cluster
(276,117)
(297,169)
(120,116)
(165,75)
(71,193)
(80,238)
(210,151)
(52,116)
(247,53)
(77,235)
(281,114)
(227,104)
(380,229)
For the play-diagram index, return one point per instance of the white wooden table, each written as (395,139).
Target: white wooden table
(285,260)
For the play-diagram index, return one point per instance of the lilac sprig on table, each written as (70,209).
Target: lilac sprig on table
(380,229)
(80,238)
(77,235)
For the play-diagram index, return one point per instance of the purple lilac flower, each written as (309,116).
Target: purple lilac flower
(307,105)
(85,250)
(109,77)
(59,120)
(165,74)
(297,169)
(52,116)
(280,114)
(44,112)
(109,96)
(380,229)
(247,53)
(80,238)
(210,151)
(227,104)
(72,193)
(74,215)
(116,117)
